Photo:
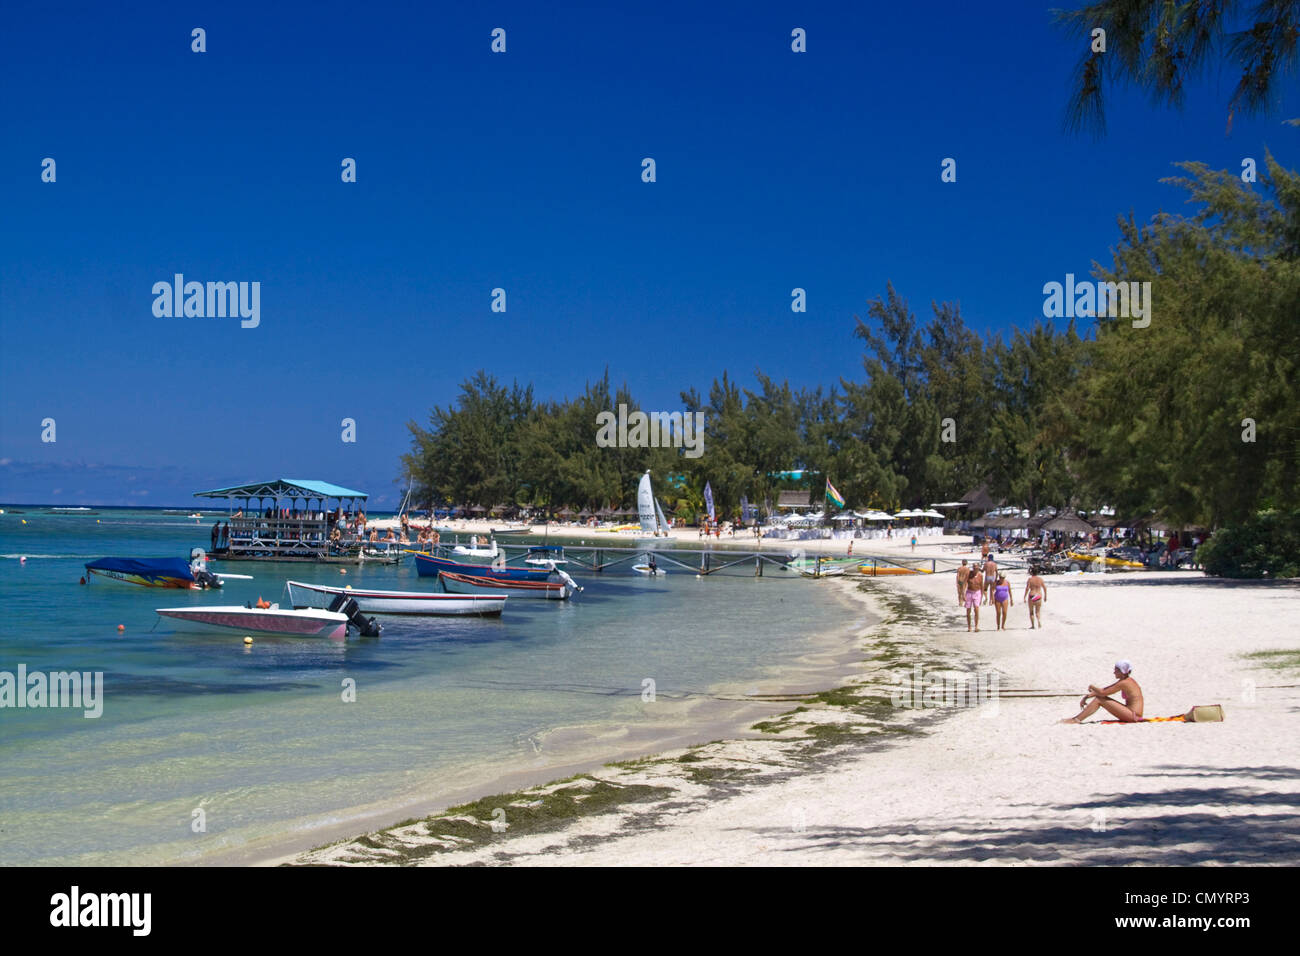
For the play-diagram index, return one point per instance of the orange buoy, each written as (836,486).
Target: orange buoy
(121,627)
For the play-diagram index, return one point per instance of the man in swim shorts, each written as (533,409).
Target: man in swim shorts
(1129,712)
(990,578)
(1035,597)
(962,572)
(974,591)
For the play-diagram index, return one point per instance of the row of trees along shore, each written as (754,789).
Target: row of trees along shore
(1195,417)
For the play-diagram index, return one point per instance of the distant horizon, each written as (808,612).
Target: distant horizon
(817,172)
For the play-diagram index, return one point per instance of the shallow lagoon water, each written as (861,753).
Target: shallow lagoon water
(260,739)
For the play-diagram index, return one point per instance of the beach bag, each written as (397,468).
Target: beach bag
(1203,714)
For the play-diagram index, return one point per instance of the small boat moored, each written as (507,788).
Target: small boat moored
(160,572)
(310,622)
(430,603)
(430,566)
(471,584)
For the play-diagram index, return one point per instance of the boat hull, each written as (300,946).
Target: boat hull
(421,603)
(882,570)
(146,572)
(1109,562)
(469,584)
(430,566)
(256,620)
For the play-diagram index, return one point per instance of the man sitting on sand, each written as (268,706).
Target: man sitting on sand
(1129,712)
(1035,596)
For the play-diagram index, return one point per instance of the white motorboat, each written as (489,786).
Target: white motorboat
(431,603)
(311,622)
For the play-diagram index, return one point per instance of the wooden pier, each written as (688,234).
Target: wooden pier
(705,561)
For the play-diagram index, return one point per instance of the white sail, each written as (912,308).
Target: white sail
(659,516)
(645,505)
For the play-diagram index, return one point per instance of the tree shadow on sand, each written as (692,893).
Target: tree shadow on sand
(1115,580)
(1254,827)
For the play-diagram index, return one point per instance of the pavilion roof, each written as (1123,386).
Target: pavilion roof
(283,488)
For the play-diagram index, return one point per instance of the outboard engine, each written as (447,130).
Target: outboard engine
(366,626)
(206,579)
(199,568)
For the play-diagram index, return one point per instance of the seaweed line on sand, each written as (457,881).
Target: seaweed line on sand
(628,796)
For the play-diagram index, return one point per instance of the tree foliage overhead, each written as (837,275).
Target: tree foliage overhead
(1159,44)
(1144,419)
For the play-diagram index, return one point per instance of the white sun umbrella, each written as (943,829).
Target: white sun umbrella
(844,516)
(931,514)
(881,516)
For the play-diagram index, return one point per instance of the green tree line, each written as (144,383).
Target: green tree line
(1194,416)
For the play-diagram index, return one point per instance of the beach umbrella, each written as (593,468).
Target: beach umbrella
(1069,524)
(979,500)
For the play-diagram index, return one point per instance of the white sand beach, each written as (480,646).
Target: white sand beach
(1002,783)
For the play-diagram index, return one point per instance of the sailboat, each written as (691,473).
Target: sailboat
(649,513)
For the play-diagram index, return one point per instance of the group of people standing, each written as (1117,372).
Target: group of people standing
(220,536)
(983,584)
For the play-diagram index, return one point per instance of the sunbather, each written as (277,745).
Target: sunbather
(1129,712)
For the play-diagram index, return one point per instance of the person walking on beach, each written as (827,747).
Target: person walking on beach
(1035,597)
(974,590)
(962,573)
(913,541)
(1002,601)
(1129,712)
(990,579)
(984,548)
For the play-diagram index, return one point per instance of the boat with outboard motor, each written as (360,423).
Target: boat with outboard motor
(162,572)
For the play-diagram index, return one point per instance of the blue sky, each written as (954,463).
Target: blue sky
(522,171)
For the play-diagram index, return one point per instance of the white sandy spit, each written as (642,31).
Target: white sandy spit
(1001,783)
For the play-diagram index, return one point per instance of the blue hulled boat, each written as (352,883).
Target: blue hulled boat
(430,566)
(153,572)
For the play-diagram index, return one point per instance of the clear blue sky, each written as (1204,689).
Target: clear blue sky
(775,170)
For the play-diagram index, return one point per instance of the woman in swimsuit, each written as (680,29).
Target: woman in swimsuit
(974,589)
(1035,596)
(1129,712)
(1001,601)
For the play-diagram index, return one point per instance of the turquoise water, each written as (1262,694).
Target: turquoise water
(260,738)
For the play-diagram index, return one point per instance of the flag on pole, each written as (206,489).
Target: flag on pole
(834,496)
(708,499)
